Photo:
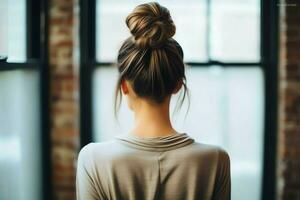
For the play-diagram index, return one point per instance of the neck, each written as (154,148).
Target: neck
(152,120)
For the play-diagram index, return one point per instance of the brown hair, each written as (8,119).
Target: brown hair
(151,60)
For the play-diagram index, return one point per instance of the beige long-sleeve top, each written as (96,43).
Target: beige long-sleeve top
(173,167)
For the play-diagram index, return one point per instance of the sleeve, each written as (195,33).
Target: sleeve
(222,190)
(85,186)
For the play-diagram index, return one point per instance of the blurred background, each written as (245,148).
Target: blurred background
(58,75)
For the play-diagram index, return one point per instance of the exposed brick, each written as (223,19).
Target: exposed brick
(64,98)
(289,106)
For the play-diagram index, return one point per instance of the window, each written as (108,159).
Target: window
(216,29)
(20,168)
(229,73)
(13,29)
(189,18)
(21,81)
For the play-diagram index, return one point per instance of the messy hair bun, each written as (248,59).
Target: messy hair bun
(150,25)
(151,60)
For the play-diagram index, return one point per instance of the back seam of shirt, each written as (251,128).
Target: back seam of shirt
(157,195)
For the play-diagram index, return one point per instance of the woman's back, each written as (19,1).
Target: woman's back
(166,166)
(172,167)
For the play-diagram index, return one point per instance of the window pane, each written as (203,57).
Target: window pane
(20,159)
(13,29)
(235,30)
(226,109)
(189,18)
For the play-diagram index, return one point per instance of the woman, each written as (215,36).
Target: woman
(153,161)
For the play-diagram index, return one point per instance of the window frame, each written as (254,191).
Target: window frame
(268,63)
(37,59)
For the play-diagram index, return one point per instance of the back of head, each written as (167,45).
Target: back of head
(151,60)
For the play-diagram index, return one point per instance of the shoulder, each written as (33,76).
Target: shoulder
(223,160)
(90,148)
(209,148)
(201,148)
(97,148)
(223,155)
(103,152)
(217,154)
(208,151)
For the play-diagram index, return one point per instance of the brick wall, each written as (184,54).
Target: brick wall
(64,96)
(289,98)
